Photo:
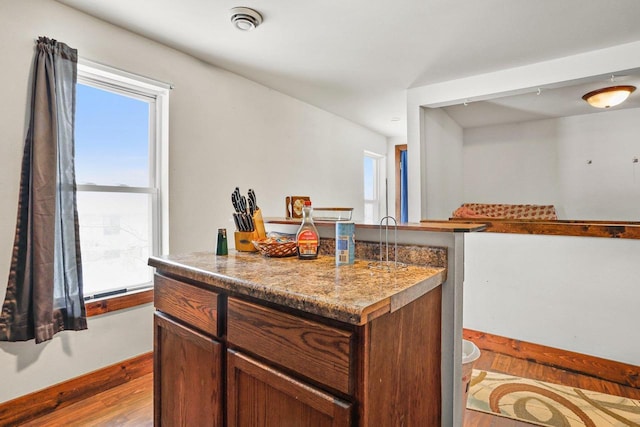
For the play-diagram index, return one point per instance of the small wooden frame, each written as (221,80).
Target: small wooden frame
(294,205)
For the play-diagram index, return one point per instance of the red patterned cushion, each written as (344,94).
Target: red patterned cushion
(505,211)
(465,212)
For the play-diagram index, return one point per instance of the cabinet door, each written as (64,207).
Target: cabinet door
(187,376)
(260,396)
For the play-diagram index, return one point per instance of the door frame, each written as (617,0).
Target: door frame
(399,149)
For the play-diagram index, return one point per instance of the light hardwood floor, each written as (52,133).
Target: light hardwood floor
(131,404)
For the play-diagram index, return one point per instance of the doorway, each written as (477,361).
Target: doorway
(402,202)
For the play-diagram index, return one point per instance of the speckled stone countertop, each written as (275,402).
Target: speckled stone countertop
(354,294)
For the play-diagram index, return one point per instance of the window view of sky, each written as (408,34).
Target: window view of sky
(111,137)
(112,148)
(370,206)
(369,177)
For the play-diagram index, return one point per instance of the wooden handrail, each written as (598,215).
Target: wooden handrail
(595,228)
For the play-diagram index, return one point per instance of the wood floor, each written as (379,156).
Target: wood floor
(131,404)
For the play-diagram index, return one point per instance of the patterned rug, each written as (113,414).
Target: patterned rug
(548,404)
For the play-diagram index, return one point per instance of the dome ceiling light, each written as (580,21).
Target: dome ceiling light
(245,19)
(608,96)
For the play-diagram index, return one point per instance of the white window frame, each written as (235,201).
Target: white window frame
(157,94)
(379,186)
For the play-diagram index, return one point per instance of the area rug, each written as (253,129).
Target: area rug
(546,404)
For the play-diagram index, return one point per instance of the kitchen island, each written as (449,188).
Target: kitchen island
(244,340)
(448,236)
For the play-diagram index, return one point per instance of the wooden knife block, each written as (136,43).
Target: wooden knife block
(243,241)
(243,238)
(259,224)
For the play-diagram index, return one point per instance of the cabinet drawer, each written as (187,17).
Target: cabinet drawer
(319,352)
(194,306)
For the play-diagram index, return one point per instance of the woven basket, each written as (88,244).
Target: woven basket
(275,249)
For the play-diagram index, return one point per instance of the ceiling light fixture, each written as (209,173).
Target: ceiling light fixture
(608,96)
(245,19)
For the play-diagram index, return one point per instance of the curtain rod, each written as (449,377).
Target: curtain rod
(105,67)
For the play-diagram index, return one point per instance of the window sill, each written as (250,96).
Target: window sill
(118,302)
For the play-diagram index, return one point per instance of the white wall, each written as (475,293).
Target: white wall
(225,131)
(546,162)
(501,83)
(574,293)
(112,337)
(514,163)
(609,187)
(443,155)
(493,279)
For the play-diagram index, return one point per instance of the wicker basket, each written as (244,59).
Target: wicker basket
(275,249)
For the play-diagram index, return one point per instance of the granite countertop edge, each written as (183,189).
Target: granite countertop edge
(359,313)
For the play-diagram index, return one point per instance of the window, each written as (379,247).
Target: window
(373,181)
(120,153)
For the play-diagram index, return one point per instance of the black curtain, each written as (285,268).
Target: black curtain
(44,291)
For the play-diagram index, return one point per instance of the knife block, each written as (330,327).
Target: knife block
(259,224)
(243,240)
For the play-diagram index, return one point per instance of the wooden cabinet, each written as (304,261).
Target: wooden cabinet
(259,395)
(195,306)
(319,352)
(278,367)
(188,376)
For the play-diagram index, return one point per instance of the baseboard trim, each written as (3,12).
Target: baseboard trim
(604,369)
(45,401)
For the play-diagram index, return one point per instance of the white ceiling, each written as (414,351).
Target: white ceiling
(356,58)
(562,101)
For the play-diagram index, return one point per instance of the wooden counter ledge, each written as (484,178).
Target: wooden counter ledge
(437,226)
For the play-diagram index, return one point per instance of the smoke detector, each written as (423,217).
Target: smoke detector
(245,19)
